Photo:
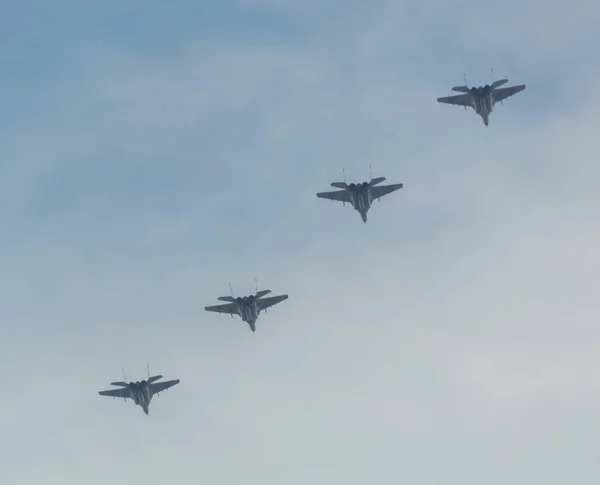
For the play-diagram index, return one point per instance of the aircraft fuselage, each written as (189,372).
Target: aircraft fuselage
(141,395)
(482,101)
(248,309)
(361,199)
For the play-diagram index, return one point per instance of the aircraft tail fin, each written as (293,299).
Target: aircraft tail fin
(120,383)
(461,89)
(341,185)
(376,180)
(498,83)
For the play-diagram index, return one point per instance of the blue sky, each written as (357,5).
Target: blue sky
(154,151)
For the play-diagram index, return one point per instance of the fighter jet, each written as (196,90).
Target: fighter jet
(360,195)
(482,99)
(247,307)
(140,392)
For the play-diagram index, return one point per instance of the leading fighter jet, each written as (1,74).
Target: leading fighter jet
(140,392)
(482,99)
(360,195)
(247,307)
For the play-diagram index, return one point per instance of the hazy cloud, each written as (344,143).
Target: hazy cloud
(451,339)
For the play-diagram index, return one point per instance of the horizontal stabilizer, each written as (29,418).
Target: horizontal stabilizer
(376,180)
(461,89)
(340,185)
(499,83)
(229,299)
(261,293)
(120,383)
(153,379)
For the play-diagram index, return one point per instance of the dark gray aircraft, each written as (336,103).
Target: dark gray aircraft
(247,307)
(360,195)
(140,392)
(482,99)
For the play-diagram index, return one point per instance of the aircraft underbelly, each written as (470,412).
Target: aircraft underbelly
(361,201)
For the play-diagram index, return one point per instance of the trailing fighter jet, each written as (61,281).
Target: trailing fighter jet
(360,195)
(140,392)
(482,99)
(247,307)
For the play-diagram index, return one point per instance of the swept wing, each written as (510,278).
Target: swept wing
(123,393)
(338,195)
(264,303)
(230,308)
(503,93)
(162,386)
(377,191)
(458,100)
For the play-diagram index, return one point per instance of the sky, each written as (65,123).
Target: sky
(152,152)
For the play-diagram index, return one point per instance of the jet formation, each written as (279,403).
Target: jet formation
(141,392)
(359,195)
(482,99)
